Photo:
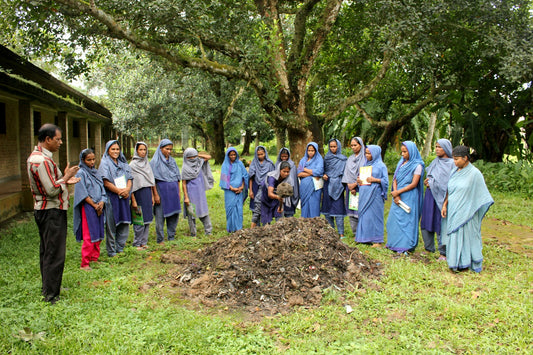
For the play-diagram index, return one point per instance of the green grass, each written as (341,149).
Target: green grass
(124,305)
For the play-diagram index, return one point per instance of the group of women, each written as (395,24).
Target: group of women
(453,205)
(455,200)
(118,194)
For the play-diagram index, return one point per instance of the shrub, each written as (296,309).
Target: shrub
(508,176)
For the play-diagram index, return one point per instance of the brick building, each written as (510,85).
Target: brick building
(29,98)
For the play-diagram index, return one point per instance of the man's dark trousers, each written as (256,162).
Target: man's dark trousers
(52,225)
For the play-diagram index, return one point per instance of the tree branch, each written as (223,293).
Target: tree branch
(365,92)
(312,49)
(117,31)
(237,95)
(300,22)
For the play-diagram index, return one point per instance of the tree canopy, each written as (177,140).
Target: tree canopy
(313,62)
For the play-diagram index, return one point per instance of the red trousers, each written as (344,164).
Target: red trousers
(89,251)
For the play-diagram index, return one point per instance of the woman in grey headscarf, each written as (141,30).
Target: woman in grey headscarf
(351,173)
(143,193)
(438,174)
(197,178)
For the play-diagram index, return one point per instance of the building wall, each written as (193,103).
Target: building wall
(9,153)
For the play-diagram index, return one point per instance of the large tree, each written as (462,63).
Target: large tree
(308,61)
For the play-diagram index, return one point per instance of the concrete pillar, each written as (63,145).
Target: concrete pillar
(84,134)
(64,154)
(98,144)
(26,145)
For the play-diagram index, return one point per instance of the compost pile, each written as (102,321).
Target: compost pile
(272,268)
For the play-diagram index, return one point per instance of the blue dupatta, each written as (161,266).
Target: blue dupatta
(402,227)
(370,228)
(468,202)
(334,166)
(91,185)
(438,173)
(258,170)
(309,196)
(164,169)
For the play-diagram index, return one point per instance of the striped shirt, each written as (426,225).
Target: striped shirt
(49,190)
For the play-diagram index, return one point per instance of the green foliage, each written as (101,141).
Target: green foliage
(508,177)
(471,58)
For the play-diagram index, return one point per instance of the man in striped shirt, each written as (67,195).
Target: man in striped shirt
(51,196)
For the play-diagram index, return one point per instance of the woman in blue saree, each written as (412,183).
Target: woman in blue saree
(233,180)
(311,168)
(407,190)
(464,207)
(333,202)
(372,199)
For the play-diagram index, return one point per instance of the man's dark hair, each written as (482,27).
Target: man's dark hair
(47,130)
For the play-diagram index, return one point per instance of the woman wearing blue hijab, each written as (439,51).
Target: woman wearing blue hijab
(260,166)
(372,199)
(233,180)
(407,190)
(333,202)
(89,204)
(167,199)
(118,181)
(438,174)
(310,168)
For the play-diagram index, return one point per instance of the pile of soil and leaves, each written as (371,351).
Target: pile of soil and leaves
(272,268)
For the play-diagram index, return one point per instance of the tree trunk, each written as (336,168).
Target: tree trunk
(431,132)
(281,134)
(216,149)
(247,142)
(297,142)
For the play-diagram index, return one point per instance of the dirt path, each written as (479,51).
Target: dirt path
(515,238)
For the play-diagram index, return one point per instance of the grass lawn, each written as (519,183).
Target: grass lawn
(123,305)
